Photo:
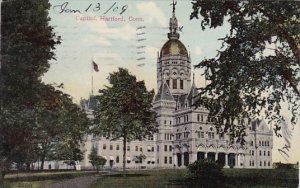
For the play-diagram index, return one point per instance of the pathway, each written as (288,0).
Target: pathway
(79,182)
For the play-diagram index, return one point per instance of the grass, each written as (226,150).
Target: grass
(41,179)
(171,178)
(273,178)
(140,179)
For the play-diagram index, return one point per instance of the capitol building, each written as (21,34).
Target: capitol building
(185,133)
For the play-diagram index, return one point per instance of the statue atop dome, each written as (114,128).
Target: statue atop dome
(173,24)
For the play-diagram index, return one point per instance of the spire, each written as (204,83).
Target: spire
(193,92)
(173,24)
(193,79)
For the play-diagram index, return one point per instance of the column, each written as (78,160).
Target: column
(205,155)
(182,160)
(236,157)
(193,157)
(175,159)
(216,156)
(226,161)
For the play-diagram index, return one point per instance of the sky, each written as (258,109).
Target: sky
(132,42)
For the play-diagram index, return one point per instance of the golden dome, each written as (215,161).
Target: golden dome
(173,47)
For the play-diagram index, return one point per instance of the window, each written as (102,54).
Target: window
(268,163)
(259,152)
(104,146)
(118,147)
(251,143)
(263,143)
(211,135)
(268,153)
(141,149)
(181,84)
(165,122)
(264,153)
(201,134)
(157,161)
(253,152)
(170,160)
(198,117)
(259,143)
(260,163)
(170,148)
(187,118)
(174,83)
(128,148)
(117,159)
(168,82)
(265,163)
(201,118)
(166,160)
(178,136)
(136,148)
(111,147)
(166,148)
(157,150)
(152,149)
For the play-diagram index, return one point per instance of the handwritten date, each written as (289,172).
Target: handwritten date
(92,7)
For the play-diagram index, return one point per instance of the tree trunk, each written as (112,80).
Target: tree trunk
(42,161)
(1,178)
(27,166)
(124,155)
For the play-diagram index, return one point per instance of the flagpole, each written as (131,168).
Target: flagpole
(92,77)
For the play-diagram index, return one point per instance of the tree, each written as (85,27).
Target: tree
(27,44)
(36,118)
(96,160)
(125,110)
(247,79)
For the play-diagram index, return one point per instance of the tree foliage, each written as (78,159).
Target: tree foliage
(125,110)
(257,67)
(35,117)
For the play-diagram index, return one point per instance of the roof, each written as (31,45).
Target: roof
(173,47)
(89,104)
(164,93)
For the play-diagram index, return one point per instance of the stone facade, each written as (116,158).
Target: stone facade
(185,134)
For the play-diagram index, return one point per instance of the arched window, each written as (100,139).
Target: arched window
(174,83)
(181,84)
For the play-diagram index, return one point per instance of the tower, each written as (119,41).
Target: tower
(173,62)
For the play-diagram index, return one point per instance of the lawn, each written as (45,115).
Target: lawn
(41,179)
(273,178)
(140,179)
(167,178)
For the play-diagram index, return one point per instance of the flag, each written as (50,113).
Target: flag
(95,66)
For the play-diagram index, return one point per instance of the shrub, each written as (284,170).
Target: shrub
(96,160)
(206,173)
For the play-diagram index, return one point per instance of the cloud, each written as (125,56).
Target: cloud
(104,57)
(152,12)
(126,32)
(151,52)
(198,50)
